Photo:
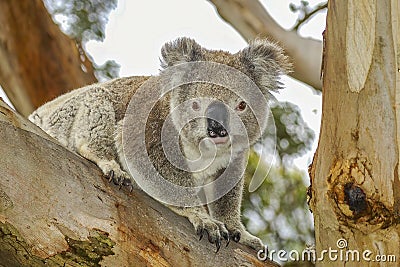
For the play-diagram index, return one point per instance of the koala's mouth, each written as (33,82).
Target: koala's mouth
(218,136)
(220,140)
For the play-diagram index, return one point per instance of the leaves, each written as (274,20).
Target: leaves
(109,70)
(277,212)
(292,136)
(83,20)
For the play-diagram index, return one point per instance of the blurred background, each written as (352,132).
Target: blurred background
(118,38)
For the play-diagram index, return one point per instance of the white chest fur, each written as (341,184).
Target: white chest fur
(205,164)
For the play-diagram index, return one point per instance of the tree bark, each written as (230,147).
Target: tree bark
(251,20)
(355,193)
(56,209)
(37,61)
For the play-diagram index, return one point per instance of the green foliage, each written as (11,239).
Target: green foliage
(304,7)
(109,70)
(277,211)
(293,137)
(83,20)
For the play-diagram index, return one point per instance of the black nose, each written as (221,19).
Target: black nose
(217,120)
(215,129)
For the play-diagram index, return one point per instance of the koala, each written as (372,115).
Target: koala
(89,121)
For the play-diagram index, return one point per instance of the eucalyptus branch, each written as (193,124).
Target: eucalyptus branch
(308,15)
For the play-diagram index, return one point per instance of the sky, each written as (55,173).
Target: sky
(137,29)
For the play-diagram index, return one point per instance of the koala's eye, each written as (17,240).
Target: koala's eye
(196,105)
(241,106)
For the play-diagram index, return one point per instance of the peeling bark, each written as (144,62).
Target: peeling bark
(56,209)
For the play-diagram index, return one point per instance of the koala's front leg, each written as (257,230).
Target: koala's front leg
(108,165)
(203,223)
(93,134)
(227,210)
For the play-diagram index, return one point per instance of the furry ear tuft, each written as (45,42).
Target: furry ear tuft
(266,61)
(180,50)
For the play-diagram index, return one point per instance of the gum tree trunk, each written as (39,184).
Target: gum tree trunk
(37,61)
(355,193)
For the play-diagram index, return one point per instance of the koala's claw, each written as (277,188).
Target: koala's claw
(110,176)
(218,244)
(225,235)
(212,240)
(215,231)
(120,181)
(236,236)
(128,183)
(115,174)
(200,232)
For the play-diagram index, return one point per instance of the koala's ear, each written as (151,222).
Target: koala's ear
(179,51)
(265,62)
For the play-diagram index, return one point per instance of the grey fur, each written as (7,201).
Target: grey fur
(89,121)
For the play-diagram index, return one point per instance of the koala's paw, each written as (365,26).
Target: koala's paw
(238,233)
(235,235)
(114,174)
(215,230)
(251,241)
(119,180)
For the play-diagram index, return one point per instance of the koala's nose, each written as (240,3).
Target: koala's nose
(217,120)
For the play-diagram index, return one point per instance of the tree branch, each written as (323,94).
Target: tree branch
(251,20)
(308,15)
(56,209)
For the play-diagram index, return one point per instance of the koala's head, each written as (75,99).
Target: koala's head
(207,111)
